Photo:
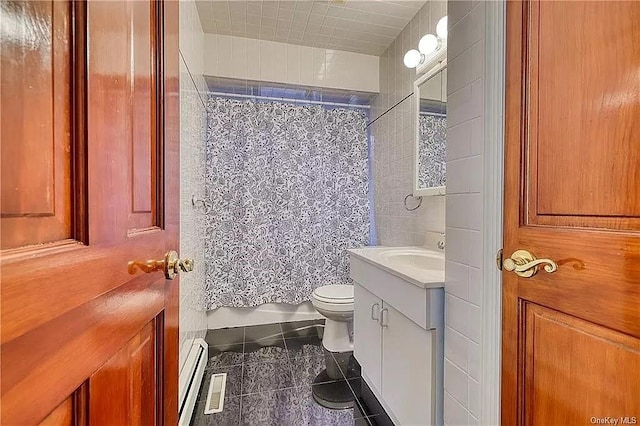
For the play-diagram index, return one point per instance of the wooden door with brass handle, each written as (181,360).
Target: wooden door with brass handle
(571,319)
(171,265)
(90,181)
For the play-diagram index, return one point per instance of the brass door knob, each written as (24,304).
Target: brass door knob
(525,265)
(171,265)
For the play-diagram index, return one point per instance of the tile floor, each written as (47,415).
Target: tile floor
(275,376)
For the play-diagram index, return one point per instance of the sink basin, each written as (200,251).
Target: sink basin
(420,266)
(414,258)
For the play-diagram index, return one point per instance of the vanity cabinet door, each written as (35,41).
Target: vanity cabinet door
(408,381)
(367,334)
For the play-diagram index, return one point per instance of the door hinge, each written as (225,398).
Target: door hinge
(499,260)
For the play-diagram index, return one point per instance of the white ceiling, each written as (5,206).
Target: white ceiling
(362,26)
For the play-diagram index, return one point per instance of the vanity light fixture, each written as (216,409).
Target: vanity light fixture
(441,28)
(428,46)
(412,58)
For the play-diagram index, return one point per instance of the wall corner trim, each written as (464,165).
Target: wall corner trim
(493,188)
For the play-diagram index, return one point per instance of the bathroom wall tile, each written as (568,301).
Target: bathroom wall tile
(293,63)
(457,314)
(474,398)
(475,170)
(474,243)
(475,322)
(307,75)
(474,357)
(477,60)
(210,48)
(459,206)
(271,61)
(459,140)
(224,51)
(459,71)
(475,211)
(468,31)
(455,414)
(267,61)
(456,348)
(457,245)
(456,382)
(457,10)
(475,286)
(239,56)
(477,136)
(473,421)
(193,321)
(457,279)
(458,176)
(253,60)
(465,138)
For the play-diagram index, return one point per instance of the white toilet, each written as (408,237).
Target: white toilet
(335,303)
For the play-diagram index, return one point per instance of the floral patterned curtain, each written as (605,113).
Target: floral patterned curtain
(432,161)
(287,194)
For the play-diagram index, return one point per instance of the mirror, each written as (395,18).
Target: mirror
(430,92)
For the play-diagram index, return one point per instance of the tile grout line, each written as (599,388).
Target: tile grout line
(344,376)
(286,349)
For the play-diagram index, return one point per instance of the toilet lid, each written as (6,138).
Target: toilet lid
(334,293)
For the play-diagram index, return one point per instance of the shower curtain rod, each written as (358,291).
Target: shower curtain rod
(436,114)
(273,98)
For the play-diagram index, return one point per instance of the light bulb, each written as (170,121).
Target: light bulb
(441,28)
(428,44)
(412,58)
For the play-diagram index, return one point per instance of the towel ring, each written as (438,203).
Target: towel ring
(195,200)
(416,207)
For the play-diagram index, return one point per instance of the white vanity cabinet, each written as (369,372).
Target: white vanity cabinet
(398,341)
(367,348)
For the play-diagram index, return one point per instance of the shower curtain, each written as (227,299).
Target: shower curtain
(287,194)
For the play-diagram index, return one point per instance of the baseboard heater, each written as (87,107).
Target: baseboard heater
(190,379)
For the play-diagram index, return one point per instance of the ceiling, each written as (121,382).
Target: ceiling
(362,26)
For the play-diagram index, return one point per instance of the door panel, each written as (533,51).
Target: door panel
(581,115)
(572,195)
(62,416)
(368,346)
(74,320)
(565,355)
(37,80)
(142,77)
(123,391)
(408,375)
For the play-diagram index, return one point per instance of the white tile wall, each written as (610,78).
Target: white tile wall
(464,212)
(393,136)
(193,320)
(261,60)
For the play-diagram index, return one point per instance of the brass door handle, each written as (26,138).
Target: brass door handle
(170,265)
(525,265)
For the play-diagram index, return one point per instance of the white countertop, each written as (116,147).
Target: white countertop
(417,265)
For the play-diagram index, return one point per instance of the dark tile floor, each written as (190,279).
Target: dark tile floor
(276,376)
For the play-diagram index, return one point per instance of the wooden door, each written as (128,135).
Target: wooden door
(571,338)
(89,132)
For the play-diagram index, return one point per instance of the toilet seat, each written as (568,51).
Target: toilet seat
(334,294)
(335,303)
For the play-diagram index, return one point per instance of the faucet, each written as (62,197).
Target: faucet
(441,241)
